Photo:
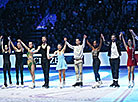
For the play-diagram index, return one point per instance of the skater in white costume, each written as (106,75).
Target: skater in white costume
(78,55)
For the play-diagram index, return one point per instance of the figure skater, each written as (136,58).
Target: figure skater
(114,54)
(6,50)
(19,62)
(61,65)
(44,49)
(31,62)
(78,56)
(131,61)
(96,61)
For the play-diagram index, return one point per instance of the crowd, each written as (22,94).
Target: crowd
(74,19)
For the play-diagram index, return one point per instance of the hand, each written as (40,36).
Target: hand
(85,36)
(2,41)
(65,39)
(102,36)
(50,57)
(1,37)
(121,34)
(9,38)
(19,40)
(130,30)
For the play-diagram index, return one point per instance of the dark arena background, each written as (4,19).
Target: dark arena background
(29,20)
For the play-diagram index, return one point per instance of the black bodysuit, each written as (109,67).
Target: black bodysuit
(6,66)
(19,65)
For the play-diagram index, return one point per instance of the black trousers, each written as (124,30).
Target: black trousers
(115,64)
(7,66)
(96,66)
(19,65)
(46,67)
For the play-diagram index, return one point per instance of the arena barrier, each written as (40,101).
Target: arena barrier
(69,59)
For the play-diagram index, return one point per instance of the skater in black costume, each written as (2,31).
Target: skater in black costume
(44,49)
(6,50)
(19,62)
(96,61)
(114,54)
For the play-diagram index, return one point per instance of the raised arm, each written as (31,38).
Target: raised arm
(22,48)
(84,38)
(100,45)
(121,35)
(48,51)
(27,48)
(134,41)
(64,48)
(12,43)
(105,43)
(132,32)
(2,46)
(69,45)
(9,47)
(90,45)
(1,40)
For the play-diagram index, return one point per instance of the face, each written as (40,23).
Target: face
(30,44)
(94,43)
(77,41)
(59,47)
(43,39)
(113,38)
(6,47)
(18,45)
(129,42)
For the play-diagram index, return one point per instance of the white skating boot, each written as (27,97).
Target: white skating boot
(129,84)
(64,83)
(60,85)
(3,87)
(22,86)
(32,86)
(17,86)
(132,84)
(100,83)
(10,85)
(96,85)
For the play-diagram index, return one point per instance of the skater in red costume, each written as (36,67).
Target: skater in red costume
(131,61)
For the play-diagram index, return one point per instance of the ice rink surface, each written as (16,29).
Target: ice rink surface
(69,93)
